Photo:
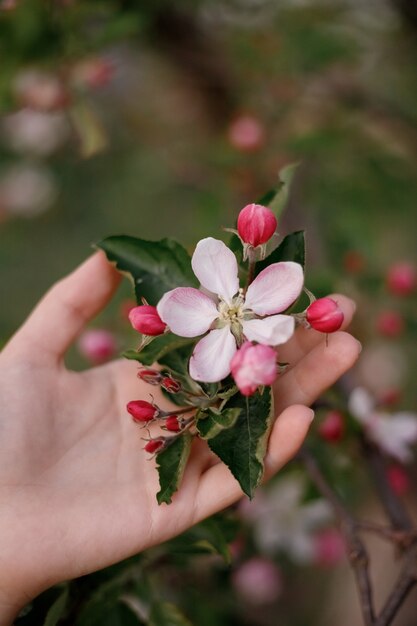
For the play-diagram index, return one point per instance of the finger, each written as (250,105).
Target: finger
(219,489)
(305,339)
(66,308)
(317,371)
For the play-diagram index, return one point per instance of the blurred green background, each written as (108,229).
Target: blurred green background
(169,117)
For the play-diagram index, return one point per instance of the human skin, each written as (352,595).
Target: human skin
(77,493)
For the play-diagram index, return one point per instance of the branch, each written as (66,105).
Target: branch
(357,553)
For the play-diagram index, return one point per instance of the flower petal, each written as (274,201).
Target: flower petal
(215,266)
(187,311)
(210,361)
(361,405)
(275,288)
(271,331)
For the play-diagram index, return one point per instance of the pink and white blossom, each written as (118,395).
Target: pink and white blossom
(394,433)
(253,365)
(227,314)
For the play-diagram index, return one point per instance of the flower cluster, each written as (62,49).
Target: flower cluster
(238,327)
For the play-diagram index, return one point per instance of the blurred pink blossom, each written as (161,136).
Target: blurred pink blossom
(258,581)
(97,345)
(330,547)
(394,433)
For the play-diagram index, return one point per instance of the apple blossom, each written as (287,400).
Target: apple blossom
(246,133)
(330,547)
(145,320)
(227,314)
(256,224)
(394,433)
(252,366)
(324,315)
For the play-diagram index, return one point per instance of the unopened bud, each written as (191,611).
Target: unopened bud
(152,377)
(256,224)
(142,411)
(332,427)
(246,133)
(145,319)
(97,345)
(252,366)
(325,315)
(170,384)
(154,445)
(402,279)
(398,479)
(172,423)
(390,324)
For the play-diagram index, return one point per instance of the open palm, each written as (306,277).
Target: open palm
(77,492)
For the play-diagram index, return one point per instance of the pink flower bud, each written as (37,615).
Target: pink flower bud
(325,315)
(398,479)
(390,324)
(253,365)
(145,320)
(152,377)
(256,224)
(329,547)
(154,445)
(172,423)
(246,133)
(97,345)
(142,411)
(170,385)
(402,279)
(94,72)
(258,581)
(332,428)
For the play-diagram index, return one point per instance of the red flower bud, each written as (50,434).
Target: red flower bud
(152,377)
(256,224)
(398,479)
(97,345)
(154,445)
(170,385)
(254,365)
(402,279)
(390,324)
(332,427)
(145,320)
(172,423)
(324,315)
(142,411)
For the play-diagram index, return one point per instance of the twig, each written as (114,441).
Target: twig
(402,587)
(401,537)
(357,553)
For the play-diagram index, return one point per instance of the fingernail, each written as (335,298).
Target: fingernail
(311,414)
(359,346)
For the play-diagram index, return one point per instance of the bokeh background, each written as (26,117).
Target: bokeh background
(157,119)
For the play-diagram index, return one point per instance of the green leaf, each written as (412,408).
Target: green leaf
(171,464)
(158,349)
(291,248)
(243,446)
(212,423)
(57,610)
(167,614)
(155,267)
(276,199)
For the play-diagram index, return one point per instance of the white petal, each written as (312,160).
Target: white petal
(396,434)
(215,266)
(275,288)
(361,404)
(187,311)
(210,361)
(271,331)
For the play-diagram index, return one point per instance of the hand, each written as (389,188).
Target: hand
(77,493)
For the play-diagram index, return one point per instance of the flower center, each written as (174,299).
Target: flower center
(232,313)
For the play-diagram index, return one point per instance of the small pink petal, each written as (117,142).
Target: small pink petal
(275,288)
(215,266)
(210,361)
(187,311)
(271,331)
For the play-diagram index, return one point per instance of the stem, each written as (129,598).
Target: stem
(404,584)
(357,553)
